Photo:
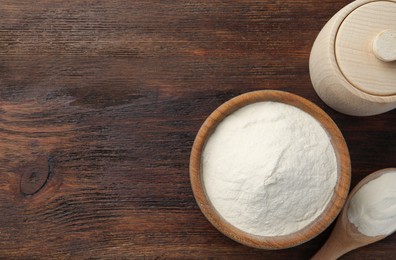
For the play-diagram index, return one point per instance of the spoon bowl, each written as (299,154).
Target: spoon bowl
(345,236)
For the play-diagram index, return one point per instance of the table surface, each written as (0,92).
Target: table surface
(100,102)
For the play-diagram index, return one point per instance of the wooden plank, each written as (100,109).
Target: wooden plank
(101,100)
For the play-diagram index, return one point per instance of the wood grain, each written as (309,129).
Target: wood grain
(102,101)
(331,210)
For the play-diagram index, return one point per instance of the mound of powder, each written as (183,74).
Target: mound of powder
(269,169)
(373,207)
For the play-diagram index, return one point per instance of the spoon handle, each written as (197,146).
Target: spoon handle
(338,244)
(332,249)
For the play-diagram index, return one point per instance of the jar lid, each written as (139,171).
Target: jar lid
(365,48)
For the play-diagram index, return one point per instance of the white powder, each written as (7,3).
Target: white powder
(269,169)
(373,207)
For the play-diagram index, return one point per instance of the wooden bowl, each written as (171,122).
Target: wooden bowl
(271,242)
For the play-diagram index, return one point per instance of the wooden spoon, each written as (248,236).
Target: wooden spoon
(345,236)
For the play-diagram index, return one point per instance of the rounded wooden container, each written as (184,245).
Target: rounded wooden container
(271,242)
(353,60)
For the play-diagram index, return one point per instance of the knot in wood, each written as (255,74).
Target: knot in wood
(35,176)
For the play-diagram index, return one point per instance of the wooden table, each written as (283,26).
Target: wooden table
(100,102)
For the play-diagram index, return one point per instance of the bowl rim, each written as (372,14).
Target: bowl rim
(333,207)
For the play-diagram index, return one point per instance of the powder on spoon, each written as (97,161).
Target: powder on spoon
(373,207)
(269,169)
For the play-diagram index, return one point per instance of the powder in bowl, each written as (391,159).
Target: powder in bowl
(269,169)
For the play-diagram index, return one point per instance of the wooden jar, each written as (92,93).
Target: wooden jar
(353,60)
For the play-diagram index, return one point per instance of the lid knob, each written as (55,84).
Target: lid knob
(384,46)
